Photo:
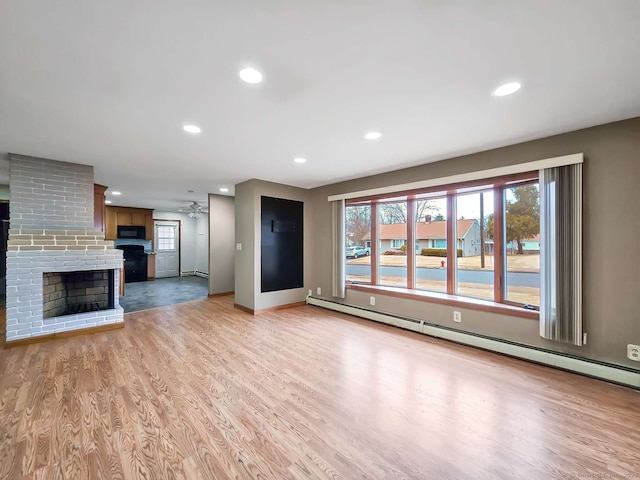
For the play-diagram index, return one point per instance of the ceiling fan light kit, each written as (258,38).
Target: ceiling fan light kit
(195,210)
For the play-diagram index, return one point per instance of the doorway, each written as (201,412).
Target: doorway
(169,287)
(167,242)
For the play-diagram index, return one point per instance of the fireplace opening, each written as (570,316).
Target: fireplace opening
(68,293)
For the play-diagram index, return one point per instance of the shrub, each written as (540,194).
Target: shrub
(437,252)
(394,252)
(433,252)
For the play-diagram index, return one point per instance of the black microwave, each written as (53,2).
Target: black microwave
(137,233)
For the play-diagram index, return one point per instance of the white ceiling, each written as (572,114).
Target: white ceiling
(110,83)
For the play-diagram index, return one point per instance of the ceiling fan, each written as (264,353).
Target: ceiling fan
(194,210)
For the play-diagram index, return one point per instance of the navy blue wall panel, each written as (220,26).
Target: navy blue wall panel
(282,244)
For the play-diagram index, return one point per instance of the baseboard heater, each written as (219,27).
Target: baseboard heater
(194,273)
(612,373)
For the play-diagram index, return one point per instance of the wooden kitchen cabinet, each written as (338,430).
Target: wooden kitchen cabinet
(136,219)
(99,208)
(111,226)
(128,216)
(123,218)
(149,230)
(151,266)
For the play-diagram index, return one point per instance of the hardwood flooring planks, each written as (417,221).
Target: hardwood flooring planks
(205,391)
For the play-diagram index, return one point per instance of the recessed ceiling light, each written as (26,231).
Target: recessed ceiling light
(191,129)
(250,75)
(107,202)
(116,193)
(224,189)
(373,135)
(300,160)
(506,89)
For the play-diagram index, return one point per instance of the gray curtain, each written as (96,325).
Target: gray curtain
(561,254)
(338,258)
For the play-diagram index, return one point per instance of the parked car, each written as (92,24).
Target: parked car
(356,251)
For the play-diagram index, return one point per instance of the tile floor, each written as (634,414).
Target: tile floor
(162,292)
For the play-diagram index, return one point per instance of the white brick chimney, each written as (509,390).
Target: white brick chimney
(51,231)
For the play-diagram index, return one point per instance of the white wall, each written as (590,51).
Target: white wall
(202,244)
(187,238)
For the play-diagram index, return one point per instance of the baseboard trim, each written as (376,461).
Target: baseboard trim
(222,294)
(68,334)
(270,309)
(282,307)
(198,273)
(601,370)
(243,308)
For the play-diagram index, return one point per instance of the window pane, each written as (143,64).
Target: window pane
(474,244)
(431,244)
(166,237)
(358,243)
(522,252)
(393,243)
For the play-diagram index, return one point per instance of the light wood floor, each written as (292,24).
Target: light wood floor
(201,390)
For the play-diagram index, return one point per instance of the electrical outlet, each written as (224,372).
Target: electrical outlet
(457,316)
(633,352)
(319,291)
(238,246)
(310,292)
(372,300)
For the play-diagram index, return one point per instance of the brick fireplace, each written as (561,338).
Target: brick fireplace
(61,274)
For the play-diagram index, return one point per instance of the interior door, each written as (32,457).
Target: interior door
(167,242)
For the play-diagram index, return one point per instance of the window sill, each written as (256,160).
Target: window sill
(444,299)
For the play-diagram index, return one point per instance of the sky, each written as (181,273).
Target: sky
(468,206)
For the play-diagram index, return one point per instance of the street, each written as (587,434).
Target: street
(516,279)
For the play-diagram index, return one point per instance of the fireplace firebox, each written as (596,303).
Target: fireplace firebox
(68,293)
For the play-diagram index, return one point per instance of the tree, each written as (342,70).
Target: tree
(396,212)
(393,213)
(522,215)
(357,222)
